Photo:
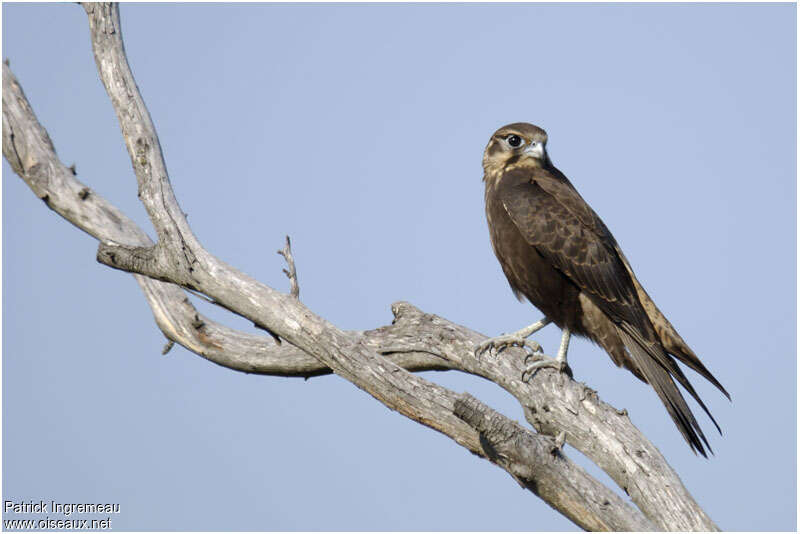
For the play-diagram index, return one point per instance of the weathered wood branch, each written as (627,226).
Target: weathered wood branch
(372,360)
(291,272)
(29,151)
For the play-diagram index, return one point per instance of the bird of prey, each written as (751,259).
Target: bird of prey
(556,252)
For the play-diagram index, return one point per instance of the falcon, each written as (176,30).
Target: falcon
(556,252)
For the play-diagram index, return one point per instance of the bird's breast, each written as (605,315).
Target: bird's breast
(528,273)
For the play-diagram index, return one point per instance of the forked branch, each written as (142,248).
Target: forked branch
(377,361)
(28,150)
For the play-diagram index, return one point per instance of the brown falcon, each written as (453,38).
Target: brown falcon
(557,253)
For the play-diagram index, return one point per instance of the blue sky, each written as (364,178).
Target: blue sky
(359,130)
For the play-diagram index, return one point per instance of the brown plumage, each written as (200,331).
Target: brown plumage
(557,253)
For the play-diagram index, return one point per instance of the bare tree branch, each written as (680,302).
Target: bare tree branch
(521,456)
(553,404)
(24,140)
(30,153)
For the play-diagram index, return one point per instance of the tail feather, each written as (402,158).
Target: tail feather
(663,358)
(677,373)
(671,341)
(659,369)
(685,354)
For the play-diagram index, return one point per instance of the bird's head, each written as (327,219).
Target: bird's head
(516,144)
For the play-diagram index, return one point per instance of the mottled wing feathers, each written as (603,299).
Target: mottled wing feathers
(565,230)
(554,219)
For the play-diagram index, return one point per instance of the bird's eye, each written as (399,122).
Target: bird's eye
(514,141)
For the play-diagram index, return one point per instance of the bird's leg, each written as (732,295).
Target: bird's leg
(559,362)
(519,339)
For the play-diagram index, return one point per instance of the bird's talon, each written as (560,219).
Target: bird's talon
(534,346)
(535,356)
(496,345)
(544,361)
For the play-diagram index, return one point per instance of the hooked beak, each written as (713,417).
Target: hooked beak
(536,150)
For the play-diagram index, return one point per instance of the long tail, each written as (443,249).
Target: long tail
(661,371)
(671,341)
